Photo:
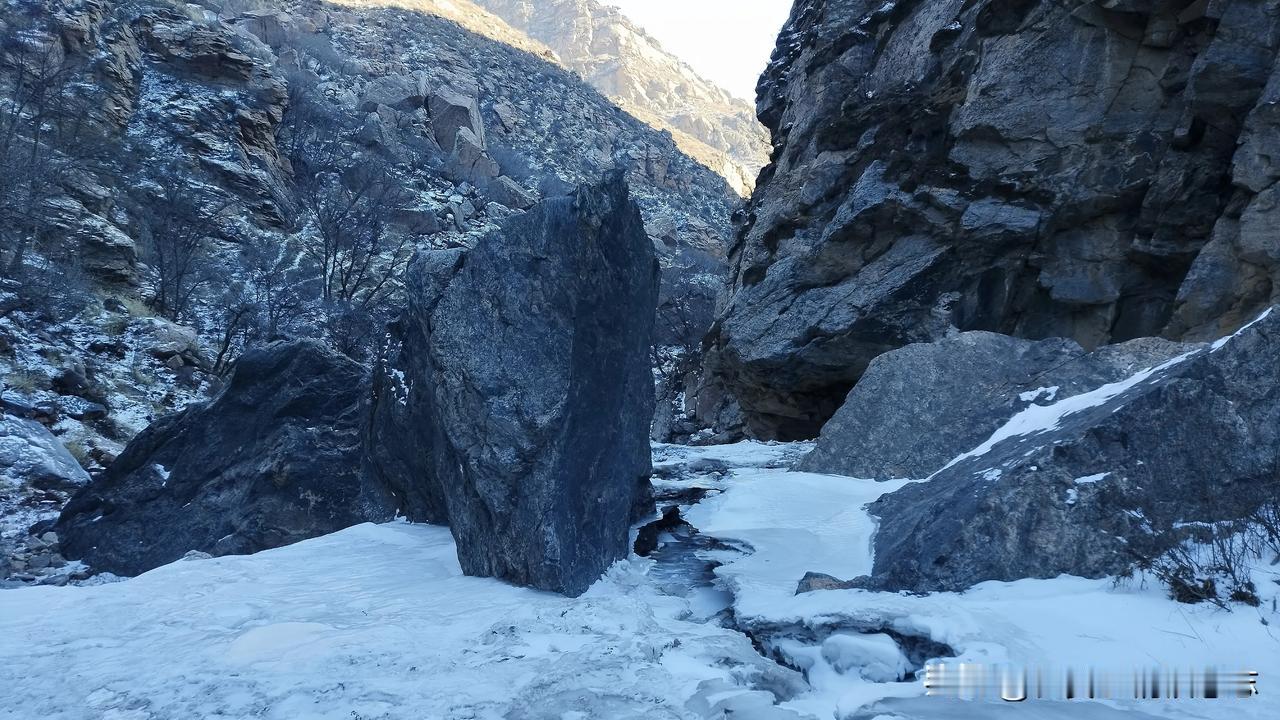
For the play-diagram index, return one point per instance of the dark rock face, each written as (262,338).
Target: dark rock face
(1092,483)
(1091,170)
(513,403)
(521,374)
(276,458)
(918,407)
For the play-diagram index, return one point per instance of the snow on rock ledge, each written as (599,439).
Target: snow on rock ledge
(32,458)
(1194,439)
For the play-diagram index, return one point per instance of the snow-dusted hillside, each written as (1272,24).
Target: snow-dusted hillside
(377,621)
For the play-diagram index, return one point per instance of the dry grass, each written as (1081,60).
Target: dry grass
(24,381)
(136,307)
(78,451)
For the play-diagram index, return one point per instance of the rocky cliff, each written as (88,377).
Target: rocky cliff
(186,181)
(1098,171)
(620,60)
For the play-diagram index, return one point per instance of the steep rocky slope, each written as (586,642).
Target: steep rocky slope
(620,60)
(212,111)
(186,181)
(1099,171)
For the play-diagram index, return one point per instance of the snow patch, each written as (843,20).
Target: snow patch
(1220,342)
(1048,393)
(1038,419)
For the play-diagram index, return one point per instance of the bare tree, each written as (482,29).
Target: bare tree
(357,254)
(238,314)
(46,132)
(177,240)
(352,330)
(277,285)
(346,201)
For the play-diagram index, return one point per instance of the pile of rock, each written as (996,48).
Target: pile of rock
(37,475)
(37,560)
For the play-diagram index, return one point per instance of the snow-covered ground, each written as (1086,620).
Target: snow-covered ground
(371,622)
(377,622)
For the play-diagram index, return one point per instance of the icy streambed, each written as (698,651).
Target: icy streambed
(377,622)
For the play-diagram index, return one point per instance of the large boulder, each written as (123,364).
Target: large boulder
(452,111)
(1094,170)
(918,407)
(276,458)
(521,374)
(1097,482)
(469,162)
(399,92)
(509,193)
(32,459)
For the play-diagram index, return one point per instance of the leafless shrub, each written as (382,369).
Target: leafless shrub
(1216,563)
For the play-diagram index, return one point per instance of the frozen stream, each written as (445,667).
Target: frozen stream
(378,622)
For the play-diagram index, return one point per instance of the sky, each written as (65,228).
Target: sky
(726,41)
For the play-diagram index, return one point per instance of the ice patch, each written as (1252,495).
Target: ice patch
(379,622)
(1048,393)
(278,642)
(375,621)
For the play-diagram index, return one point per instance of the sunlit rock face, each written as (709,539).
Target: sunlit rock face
(620,60)
(1092,170)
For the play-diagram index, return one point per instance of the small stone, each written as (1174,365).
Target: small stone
(813,581)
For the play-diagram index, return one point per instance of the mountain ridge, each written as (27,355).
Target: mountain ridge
(618,57)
